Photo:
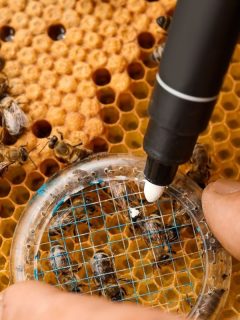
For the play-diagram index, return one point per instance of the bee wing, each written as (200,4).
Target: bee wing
(10,123)
(19,114)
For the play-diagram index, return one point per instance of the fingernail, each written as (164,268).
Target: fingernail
(225,186)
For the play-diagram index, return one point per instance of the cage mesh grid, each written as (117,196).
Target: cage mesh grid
(141,280)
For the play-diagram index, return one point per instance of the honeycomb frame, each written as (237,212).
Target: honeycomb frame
(52,86)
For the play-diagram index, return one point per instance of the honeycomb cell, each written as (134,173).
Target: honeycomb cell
(7,33)
(142,108)
(218,115)
(148,291)
(99,237)
(7,208)
(183,283)
(5,188)
(196,269)
(125,102)
(16,174)
(235,71)
(49,167)
(114,224)
(143,125)
(229,101)
(164,277)
(115,134)
(2,261)
(151,76)
(146,40)
(109,115)
(133,140)
(121,148)
(224,154)
(99,145)
(219,133)
(235,139)
(4,280)
(227,84)
(229,171)
(135,70)
(123,264)
(19,195)
(41,129)
(106,95)
(129,122)
(118,244)
(34,181)
(143,270)
(191,248)
(139,89)
(7,228)
(101,77)
(138,249)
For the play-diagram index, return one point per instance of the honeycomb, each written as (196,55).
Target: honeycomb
(80,67)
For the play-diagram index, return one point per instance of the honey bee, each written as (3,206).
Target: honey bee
(164,22)
(59,259)
(65,152)
(12,155)
(4,85)
(14,119)
(102,267)
(156,237)
(157,53)
(105,276)
(113,292)
(70,283)
(200,165)
(210,303)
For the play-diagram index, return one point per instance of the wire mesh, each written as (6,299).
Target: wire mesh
(107,240)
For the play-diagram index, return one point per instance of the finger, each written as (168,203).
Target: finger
(221,207)
(37,301)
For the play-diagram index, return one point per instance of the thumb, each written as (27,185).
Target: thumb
(37,301)
(221,207)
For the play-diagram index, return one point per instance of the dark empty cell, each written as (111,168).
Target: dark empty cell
(99,145)
(228,105)
(135,70)
(146,40)
(219,136)
(20,195)
(56,32)
(233,124)
(106,95)
(228,172)
(8,228)
(224,154)
(125,102)
(236,142)
(2,63)
(16,174)
(48,167)
(34,181)
(115,134)
(101,77)
(4,188)
(41,129)
(109,115)
(6,138)
(139,90)
(7,33)
(6,208)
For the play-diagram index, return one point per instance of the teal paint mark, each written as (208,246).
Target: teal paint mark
(36,274)
(97,181)
(58,205)
(42,190)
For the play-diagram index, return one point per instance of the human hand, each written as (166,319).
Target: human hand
(37,301)
(221,206)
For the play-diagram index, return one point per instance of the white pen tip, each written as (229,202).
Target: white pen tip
(152,192)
